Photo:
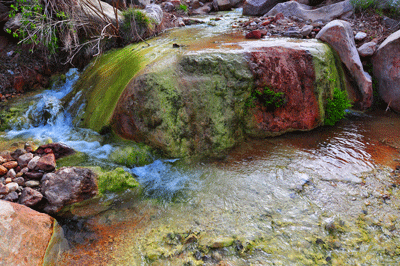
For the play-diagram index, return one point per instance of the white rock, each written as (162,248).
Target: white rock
(11,173)
(367,49)
(306,30)
(32,183)
(360,36)
(32,163)
(12,186)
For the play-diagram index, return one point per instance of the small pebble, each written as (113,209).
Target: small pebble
(12,186)
(32,183)
(360,36)
(19,180)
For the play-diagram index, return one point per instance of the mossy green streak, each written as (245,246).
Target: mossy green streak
(104,82)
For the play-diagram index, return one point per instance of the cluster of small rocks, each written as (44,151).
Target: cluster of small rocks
(280,26)
(21,172)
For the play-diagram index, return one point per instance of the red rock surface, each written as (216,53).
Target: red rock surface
(291,72)
(255,34)
(10,165)
(24,234)
(46,162)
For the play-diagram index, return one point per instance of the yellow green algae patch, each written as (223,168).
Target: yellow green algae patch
(329,75)
(117,180)
(57,245)
(103,82)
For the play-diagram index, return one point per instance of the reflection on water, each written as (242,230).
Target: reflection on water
(310,198)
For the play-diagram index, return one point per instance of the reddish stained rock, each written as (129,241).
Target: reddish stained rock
(30,197)
(255,34)
(4,190)
(278,17)
(60,150)
(19,84)
(34,175)
(66,186)
(3,170)
(46,163)
(24,234)
(291,72)
(10,164)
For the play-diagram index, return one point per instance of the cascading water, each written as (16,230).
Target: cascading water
(47,118)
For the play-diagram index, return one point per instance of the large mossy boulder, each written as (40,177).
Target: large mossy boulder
(203,103)
(191,101)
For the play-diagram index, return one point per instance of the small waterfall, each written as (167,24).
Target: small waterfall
(48,119)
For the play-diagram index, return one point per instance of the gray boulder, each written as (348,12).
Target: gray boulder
(222,5)
(66,186)
(367,49)
(99,11)
(259,7)
(388,4)
(386,69)
(325,13)
(154,12)
(339,35)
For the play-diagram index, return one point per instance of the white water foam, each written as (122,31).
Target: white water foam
(48,119)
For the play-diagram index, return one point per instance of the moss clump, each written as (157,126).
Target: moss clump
(182,8)
(267,98)
(335,107)
(133,155)
(117,180)
(135,24)
(77,159)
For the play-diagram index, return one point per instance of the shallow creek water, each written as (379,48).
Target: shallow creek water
(325,197)
(322,197)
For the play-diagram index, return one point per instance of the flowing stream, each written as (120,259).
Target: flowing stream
(325,197)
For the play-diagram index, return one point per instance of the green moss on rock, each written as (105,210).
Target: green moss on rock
(102,84)
(117,180)
(132,155)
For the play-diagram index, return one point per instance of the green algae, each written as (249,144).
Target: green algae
(195,106)
(115,181)
(57,245)
(132,155)
(329,75)
(103,82)
(77,159)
